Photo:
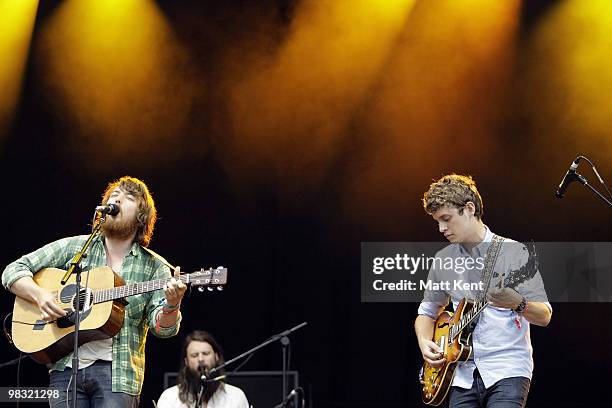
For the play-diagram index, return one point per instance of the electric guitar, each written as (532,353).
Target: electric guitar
(102,309)
(453,334)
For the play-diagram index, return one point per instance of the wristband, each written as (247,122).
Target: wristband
(522,306)
(171,307)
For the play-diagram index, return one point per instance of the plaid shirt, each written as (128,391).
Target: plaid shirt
(140,314)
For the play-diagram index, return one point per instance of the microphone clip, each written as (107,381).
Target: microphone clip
(570,177)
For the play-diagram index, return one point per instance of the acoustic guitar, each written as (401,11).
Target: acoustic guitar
(102,309)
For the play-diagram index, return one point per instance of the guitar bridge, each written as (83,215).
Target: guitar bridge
(39,325)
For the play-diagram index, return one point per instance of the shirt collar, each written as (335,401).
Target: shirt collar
(135,250)
(482,247)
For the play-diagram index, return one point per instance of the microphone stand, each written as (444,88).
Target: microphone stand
(203,381)
(75,268)
(200,394)
(582,180)
(284,340)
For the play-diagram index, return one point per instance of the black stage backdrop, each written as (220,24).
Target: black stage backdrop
(291,239)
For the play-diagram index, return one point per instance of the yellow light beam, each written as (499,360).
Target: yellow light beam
(17,19)
(568,79)
(438,107)
(300,99)
(116,66)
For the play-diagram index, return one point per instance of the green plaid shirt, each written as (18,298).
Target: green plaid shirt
(140,314)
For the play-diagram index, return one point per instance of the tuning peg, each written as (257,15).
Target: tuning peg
(200,289)
(219,287)
(209,288)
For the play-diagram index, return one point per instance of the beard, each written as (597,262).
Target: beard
(189,388)
(192,382)
(120,229)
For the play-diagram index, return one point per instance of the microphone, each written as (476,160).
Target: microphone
(292,394)
(568,178)
(110,209)
(202,371)
(218,378)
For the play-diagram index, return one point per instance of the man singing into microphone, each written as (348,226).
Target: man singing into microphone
(499,370)
(199,355)
(111,371)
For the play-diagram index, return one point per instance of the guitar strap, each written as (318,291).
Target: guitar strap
(490,261)
(159,257)
(487,272)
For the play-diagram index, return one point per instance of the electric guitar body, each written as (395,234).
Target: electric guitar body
(437,381)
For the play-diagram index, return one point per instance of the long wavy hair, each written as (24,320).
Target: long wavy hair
(189,383)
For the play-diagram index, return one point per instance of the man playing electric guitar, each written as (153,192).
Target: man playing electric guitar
(499,369)
(111,371)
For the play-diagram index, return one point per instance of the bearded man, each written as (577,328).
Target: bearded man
(199,355)
(110,371)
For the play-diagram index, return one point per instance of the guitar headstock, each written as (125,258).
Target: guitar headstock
(211,277)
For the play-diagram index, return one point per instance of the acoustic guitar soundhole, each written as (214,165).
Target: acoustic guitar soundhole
(67,295)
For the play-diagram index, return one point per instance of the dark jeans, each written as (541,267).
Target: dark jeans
(93,388)
(507,393)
